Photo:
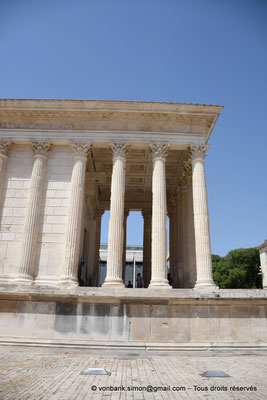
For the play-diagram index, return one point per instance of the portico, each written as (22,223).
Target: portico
(64,162)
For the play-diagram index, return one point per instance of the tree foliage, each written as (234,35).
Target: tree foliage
(239,269)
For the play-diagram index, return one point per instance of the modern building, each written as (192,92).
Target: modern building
(133,264)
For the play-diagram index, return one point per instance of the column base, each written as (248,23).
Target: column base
(205,284)
(159,284)
(28,279)
(46,281)
(68,281)
(113,282)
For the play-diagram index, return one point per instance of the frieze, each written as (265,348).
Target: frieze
(99,120)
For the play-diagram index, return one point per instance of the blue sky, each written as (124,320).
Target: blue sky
(199,51)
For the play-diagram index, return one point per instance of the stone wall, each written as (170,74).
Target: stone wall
(54,209)
(13,207)
(134,317)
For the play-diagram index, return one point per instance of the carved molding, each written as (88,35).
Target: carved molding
(183,183)
(76,120)
(119,149)
(159,150)
(198,151)
(187,168)
(5,146)
(41,148)
(80,149)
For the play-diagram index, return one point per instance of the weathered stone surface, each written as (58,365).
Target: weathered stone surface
(48,215)
(116,317)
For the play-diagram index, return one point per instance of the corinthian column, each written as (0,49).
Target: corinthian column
(146,213)
(116,221)
(201,218)
(30,232)
(126,215)
(191,257)
(4,148)
(159,218)
(75,211)
(99,214)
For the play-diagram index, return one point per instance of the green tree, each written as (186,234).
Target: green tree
(239,269)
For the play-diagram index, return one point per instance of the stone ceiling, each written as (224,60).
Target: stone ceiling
(138,193)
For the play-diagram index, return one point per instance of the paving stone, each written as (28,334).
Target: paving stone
(28,373)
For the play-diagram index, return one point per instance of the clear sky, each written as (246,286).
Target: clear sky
(195,51)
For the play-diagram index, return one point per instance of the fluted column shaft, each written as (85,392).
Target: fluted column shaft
(201,218)
(97,245)
(190,234)
(184,265)
(159,219)
(75,212)
(126,214)
(4,148)
(179,239)
(31,227)
(175,228)
(171,213)
(147,215)
(116,221)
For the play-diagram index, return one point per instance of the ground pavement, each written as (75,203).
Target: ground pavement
(55,374)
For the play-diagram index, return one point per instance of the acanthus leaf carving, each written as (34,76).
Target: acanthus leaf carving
(198,151)
(80,148)
(41,148)
(159,150)
(119,149)
(5,146)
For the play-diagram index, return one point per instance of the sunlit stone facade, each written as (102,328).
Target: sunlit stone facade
(63,163)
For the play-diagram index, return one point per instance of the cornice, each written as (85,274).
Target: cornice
(106,105)
(88,115)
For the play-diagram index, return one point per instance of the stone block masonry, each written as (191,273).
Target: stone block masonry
(139,319)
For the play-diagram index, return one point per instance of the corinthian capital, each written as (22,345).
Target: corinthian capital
(159,150)
(198,151)
(41,148)
(5,146)
(119,149)
(80,148)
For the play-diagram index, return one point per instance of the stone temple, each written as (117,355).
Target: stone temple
(63,163)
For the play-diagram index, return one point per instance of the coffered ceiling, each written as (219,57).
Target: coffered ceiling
(138,193)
